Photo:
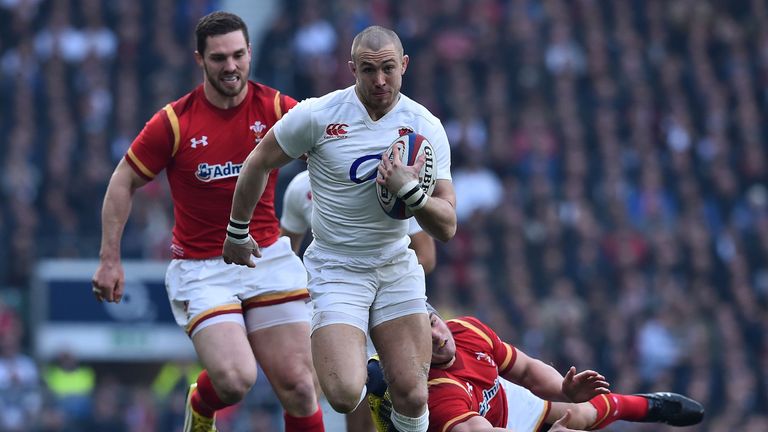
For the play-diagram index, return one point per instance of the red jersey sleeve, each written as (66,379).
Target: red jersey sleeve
(155,145)
(503,353)
(449,404)
(287,103)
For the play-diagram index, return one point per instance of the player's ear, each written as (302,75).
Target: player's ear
(351,66)
(198,58)
(406,59)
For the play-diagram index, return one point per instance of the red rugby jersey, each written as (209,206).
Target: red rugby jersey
(470,387)
(202,148)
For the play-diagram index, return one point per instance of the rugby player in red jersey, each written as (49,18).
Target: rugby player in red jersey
(235,316)
(477,382)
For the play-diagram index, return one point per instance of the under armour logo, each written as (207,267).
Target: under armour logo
(202,141)
(336,129)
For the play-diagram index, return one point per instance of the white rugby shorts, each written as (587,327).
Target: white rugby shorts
(526,412)
(207,291)
(364,290)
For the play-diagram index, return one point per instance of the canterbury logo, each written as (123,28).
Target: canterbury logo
(336,129)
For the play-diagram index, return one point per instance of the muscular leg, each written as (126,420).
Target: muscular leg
(338,353)
(283,352)
(404,346)
(225,353)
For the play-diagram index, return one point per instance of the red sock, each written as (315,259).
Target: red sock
(613,406)
(312,423)
(205,401)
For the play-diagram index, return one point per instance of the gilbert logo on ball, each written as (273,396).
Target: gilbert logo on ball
(411,146)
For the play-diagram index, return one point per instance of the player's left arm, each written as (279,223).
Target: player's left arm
(438,216)
(546,382)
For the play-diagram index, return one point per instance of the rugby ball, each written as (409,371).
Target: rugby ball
(410,146)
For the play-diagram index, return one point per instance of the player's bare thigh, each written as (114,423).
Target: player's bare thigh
(338,354)
(404,346)
(224,350)
(283,351)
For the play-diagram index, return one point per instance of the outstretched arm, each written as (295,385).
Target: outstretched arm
(547,383)
(265,157)
(108,280)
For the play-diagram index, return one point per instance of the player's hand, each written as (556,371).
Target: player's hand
(562,424)
(108,282)
(240,254)
(395,174)
(583,386)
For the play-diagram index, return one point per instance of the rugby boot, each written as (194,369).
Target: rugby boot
(673,409)
(194,422)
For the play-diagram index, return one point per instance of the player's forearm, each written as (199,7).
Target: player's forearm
(544,381)
(438,218)
(250,186)
(114,215)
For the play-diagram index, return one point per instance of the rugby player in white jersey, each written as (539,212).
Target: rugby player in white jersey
(295,222)
(362,274)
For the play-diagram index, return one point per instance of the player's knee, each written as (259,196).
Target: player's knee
(344,400)
(233,384)
(412,398)
(297,388)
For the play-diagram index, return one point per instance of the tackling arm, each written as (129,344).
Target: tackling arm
(547,383)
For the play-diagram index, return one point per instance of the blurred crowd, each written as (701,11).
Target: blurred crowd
(609,158)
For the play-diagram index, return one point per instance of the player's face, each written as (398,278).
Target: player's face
(378,77)
(443,344)
(226,63)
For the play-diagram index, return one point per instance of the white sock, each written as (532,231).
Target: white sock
(410,424)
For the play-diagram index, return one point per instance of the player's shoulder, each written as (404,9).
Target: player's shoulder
(337,99)
(471,326)
(184,104)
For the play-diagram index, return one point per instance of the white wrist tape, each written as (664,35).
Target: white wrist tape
(412,194)
(238,231)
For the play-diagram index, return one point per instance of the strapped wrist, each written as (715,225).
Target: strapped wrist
(413,195)
(238,231)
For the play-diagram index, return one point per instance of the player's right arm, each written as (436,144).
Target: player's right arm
(251,182)
(294,130)
(109,278)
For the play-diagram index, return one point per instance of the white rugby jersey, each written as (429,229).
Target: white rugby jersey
(297,207)
(344,148)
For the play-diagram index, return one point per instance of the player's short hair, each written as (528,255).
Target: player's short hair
(218,23)
(376,38)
